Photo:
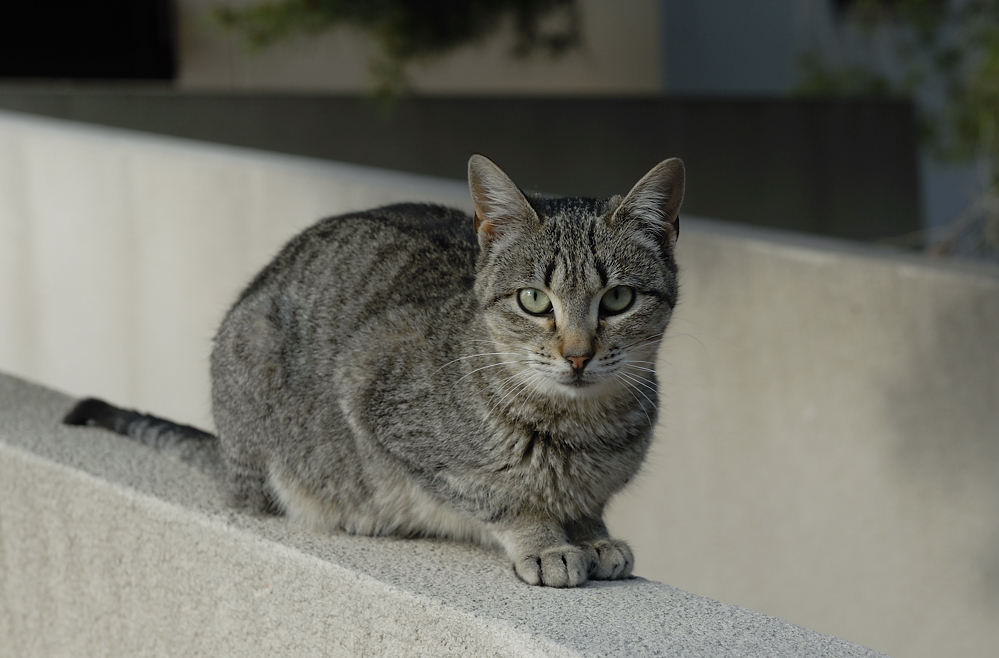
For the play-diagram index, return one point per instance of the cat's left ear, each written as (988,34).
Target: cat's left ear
(655,201)
(501,209)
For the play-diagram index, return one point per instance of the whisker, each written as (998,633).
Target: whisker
(640,405)
(493,365)
(511,382)
(501,384)
(651,342)
(671,372)
(653,338)
(496,342)
(529,378)
(639,389)
(472,356)
(506,388)
(537,377)
(499,407)
(644,381)
(693,337)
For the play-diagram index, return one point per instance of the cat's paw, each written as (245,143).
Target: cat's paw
(559,566)
(609,559)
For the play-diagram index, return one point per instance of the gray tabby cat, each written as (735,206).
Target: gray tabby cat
(411,371)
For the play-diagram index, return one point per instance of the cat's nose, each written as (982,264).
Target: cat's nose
(577,348)
(578,356)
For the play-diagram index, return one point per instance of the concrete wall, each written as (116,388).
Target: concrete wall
(829,441)
(829,450)
(621,56)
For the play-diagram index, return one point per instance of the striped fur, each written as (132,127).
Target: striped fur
(189,444)
(380,376)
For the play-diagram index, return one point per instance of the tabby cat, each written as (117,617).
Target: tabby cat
(412,371)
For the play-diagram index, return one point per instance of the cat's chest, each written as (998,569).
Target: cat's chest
(454,437)
(572,473)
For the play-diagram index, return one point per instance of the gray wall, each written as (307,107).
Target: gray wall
(730,47)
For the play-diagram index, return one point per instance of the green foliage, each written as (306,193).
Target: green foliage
(851,80)
(406,31)
(952,46)
(924,16)
(949,50)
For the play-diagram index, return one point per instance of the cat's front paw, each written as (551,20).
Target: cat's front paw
(609,559)
(559,566)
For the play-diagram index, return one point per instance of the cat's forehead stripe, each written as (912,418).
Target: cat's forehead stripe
(573,260)
(597,263)
(574,267)
(549,272)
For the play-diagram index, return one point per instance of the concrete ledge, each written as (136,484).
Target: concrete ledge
(108,548)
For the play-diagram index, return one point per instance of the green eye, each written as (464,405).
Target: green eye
(617,299)
(534,301)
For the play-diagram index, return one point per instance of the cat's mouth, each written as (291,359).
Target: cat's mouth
(578,380)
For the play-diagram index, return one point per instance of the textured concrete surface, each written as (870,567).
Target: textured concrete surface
(828,445)
(107,548)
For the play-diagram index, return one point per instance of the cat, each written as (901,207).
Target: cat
(413,371)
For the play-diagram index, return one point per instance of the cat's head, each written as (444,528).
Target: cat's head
(577,291)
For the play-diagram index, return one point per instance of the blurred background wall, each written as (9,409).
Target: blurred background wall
(685,48)
(711,50)
(709,81)
(621,55)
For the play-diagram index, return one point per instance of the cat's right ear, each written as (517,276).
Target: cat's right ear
(501,209)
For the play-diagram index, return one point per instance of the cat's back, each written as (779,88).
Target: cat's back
(341,279)
(401,247)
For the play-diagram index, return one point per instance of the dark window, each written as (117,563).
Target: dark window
(97,39)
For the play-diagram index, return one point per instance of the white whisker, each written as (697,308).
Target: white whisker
(472,356)
(651,342)
(489,340)
(640,405)
(515,390)
(654,406)
(510,383)
(640,386)
(691,336)
(652,338)
(529,379)
(493,365)
(638,379)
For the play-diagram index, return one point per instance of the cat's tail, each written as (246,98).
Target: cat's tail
(189,444)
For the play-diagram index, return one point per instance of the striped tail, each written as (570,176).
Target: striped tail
(189,444)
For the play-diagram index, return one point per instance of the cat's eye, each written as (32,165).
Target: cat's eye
(617,300)
(534,301)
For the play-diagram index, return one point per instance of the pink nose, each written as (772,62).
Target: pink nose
(578,362)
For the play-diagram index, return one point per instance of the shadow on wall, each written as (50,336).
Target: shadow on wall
(948,454)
